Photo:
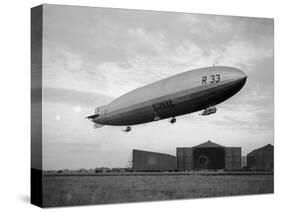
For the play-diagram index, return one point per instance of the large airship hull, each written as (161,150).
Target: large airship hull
(181,94)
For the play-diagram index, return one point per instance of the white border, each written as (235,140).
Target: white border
(15,102)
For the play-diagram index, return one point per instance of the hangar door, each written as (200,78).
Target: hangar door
(208,158)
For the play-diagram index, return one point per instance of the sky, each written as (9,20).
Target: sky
(93,55)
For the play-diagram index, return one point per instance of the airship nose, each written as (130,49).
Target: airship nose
(240,74)
(240,77)
(235,75)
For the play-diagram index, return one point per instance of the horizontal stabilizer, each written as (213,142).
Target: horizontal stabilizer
(98,125)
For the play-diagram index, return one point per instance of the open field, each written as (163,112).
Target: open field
(81,190)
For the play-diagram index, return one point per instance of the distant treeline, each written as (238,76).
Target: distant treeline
(96,170)
(104,170)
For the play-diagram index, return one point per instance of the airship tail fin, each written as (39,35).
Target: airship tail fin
(92,117)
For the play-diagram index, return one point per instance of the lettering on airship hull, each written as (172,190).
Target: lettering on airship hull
(212,79)
(163,106)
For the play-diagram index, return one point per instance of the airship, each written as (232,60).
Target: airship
(196,90)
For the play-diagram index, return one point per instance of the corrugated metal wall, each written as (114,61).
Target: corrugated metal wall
(184,158)
(233,158)
(152,161)
(261,160)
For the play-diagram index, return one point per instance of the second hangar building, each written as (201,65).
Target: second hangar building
(208,155)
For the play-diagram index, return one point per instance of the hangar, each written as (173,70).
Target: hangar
(152,161)
(261,159)
(208,156)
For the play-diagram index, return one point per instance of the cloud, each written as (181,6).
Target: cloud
(72,97)
(145,46)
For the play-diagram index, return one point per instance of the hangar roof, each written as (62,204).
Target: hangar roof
(149,152)
(208,144)
(267,147)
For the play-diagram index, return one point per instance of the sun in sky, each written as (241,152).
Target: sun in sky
(77,109)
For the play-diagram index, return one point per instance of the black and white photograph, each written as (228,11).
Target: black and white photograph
(140,105)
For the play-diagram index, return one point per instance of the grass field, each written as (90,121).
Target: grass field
(81,190)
